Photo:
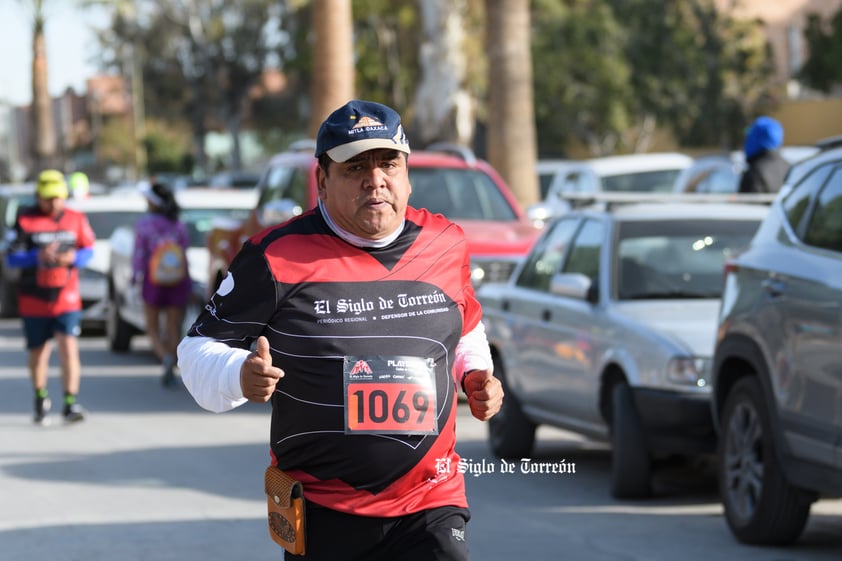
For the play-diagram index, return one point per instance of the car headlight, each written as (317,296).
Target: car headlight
(477,275)
(688,371)
(491,270)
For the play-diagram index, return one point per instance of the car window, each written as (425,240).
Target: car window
(459,194)
(545,259)
(576,182)
(797,202)
(825,226)
(199,221)
(720,180)
(276,184)
(104,223)
(298,188)
(544,182)
(677,258)
(285,182)
(584,254)
(234,180)
(660,181)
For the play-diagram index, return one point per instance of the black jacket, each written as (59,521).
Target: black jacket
(765,173)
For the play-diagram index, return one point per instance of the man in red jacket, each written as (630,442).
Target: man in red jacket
(50,244)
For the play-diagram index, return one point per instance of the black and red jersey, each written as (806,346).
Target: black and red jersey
(356,330)
(50,291)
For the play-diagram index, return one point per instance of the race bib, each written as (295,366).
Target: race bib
(390,395)
(52,277)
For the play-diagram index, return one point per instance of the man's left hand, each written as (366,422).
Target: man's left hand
(485,394)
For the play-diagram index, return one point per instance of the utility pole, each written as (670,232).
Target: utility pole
(138,113)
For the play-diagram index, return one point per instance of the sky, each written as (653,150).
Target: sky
(71,45)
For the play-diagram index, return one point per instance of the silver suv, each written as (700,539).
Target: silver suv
(777,371)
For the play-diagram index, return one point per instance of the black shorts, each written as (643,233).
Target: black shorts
(41,329)
(437,534)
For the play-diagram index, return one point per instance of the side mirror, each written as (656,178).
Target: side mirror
(573,285)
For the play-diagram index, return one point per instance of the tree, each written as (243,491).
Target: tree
(332,80)
(444,109)
(616,71)
(511,116)
(697,72)
(202,59)
(582,85)
(822,70)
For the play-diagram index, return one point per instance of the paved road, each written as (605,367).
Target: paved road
(151,477)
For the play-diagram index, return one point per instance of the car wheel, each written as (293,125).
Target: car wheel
(118,332)
(761,507)
(631,464)
(510,433)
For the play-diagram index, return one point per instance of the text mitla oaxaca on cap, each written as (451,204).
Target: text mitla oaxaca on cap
(359,126)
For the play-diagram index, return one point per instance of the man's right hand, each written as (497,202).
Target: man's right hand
(257,375)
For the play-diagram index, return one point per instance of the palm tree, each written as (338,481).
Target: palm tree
(43,142)
(444,107)
(511,114)
(333,59)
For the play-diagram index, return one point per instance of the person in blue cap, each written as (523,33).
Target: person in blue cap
(765,167)
(358,321)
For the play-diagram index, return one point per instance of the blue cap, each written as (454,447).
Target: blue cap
(765,134)
(359,126)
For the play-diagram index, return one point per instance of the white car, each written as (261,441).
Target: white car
(201,209)
(632,173)
(607,328)
(105,214)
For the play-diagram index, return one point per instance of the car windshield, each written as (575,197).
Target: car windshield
(458,194)
(199,221)
(659,181)
(104,223)
(677,258)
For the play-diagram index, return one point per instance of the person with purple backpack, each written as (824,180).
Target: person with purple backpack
(159,262)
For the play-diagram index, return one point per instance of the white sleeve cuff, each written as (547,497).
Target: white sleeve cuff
(210,371)
(472,353)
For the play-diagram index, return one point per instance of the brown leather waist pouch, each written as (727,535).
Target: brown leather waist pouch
(285,500)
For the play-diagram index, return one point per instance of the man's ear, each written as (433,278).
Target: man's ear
(321,178)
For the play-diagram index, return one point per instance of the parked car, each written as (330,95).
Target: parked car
(201,208)
(105,214)
(445,179)
(12,198)
(777,368)
(632,173)
(606,330)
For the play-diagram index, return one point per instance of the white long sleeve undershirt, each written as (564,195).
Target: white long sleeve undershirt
(210,369)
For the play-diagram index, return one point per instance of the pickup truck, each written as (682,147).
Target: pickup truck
(445,179)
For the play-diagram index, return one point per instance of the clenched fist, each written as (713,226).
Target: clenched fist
(485,394)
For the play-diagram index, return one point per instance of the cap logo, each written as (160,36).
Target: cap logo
(367,121)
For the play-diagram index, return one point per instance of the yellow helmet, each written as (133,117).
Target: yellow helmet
(51,185)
